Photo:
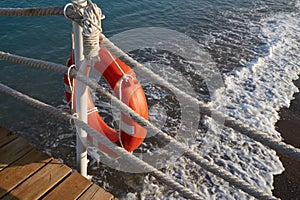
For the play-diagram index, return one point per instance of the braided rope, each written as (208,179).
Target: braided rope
(42,11)
(33,62)
(46,11)
(205,109)
(185,192)
(259,136)
(211,167)
(91,29)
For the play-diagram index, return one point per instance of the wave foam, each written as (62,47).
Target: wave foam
(253,94)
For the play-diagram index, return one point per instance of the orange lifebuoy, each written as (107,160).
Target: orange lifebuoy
(128,89)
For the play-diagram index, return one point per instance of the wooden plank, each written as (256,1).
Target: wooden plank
(26,173)
(18,171)
(6,136)
(71,188)
(3,131)
(96,193)
(41,182)
(13,151)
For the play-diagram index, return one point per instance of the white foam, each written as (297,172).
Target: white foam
(253,94)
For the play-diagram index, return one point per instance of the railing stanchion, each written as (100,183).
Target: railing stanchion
(81,97)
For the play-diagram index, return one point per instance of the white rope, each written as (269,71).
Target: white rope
(185,192)
(256,192)
(65,10)
(206,109)
(91,29)
(117,64)
(124,77)
(43,11)
(71,86)
(230,122)
(120,118)
(71,120)
(211,167)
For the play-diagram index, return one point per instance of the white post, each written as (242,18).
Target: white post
(81,98)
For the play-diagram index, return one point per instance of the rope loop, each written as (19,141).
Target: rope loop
(71,85)
(65,9)
(126,77)
(72,119)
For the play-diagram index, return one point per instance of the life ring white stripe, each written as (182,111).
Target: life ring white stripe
(127,128)
(92,110)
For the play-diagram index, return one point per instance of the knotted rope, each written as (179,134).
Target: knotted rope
(185,192)
(211,167)
(205,108)
(91,30)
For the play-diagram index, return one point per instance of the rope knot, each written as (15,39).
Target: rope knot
(91,25)
(126,77)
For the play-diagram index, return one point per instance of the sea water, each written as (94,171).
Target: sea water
(253,44)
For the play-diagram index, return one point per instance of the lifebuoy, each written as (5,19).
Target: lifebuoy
(126,87)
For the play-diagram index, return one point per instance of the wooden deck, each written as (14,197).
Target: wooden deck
(27,173)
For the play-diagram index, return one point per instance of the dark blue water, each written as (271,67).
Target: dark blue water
(230,30)
(48,38)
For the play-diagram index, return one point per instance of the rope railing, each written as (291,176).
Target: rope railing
(42,11)
(211,167)
(259,136)
(205,109)
(185,192)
